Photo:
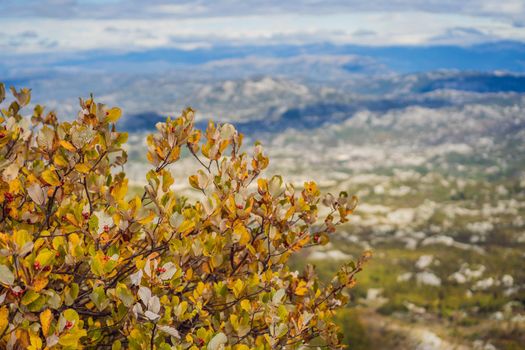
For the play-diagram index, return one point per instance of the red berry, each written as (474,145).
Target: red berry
(106,258)
(106,228)
(85,215)
(2,135)
(317,238)
(63,218)
(69,324)
(200,341)
(161,270)
(46,268)
(37,265)
(57,254)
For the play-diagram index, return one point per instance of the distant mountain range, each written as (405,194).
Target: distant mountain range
(279,104)
(244,61)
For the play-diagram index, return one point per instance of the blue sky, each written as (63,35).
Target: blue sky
(40,26)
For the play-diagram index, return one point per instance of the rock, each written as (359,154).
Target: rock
(498,316)
(330,254)
(458,277)
(507,280)
(428,278)
(424,261)
(484,284)
(373,293)
(404,277)
(414,308)
(428,341)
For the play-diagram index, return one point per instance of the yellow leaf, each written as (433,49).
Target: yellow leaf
(245,305)
(4,319)
(301,288)
(51,177)
(67,145)
(60,160)
(241,234)
(36,342)
(237,288)
(147,219)
(72,219)
(82,168)
(15,186)
(113,115)
(45,320)
(40,283)
(45,257)
(194,182)
(186,226)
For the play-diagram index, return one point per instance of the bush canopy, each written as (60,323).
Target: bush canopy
(86,264)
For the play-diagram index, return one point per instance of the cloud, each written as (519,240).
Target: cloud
(364,32)
(462,36)
(511,10)
(35,26)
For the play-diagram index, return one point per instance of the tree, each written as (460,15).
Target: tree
(83,264)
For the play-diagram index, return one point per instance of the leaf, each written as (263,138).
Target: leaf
(154,304)
(194,181)
(37,194)
(113,115)
(124,294)
(274,187)
(72,339)
(136,278)
(241,234)
(278,297)
(144,294)
(99,298)
(45,138)
(169,271)
(147,218)
(59,160)
(39,283)
(45,320)
(29,297)
(21,238)
(67,145)
(237,287)
(245,305)
(6,276)
(51,177)
(45,257)
(301,288)
(4,319)
(11,172)
(218,340)
(23,96)
(82,168)
(170,330)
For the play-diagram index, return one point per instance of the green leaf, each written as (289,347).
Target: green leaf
(99,298)
(71,293)
(29,297)
(125,295)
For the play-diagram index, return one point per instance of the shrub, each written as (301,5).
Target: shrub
(85,265)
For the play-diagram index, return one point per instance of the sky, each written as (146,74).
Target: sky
(69,26)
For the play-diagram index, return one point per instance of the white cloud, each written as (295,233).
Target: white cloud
(381,28)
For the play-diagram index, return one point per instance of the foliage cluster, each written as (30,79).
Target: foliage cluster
(85,265)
